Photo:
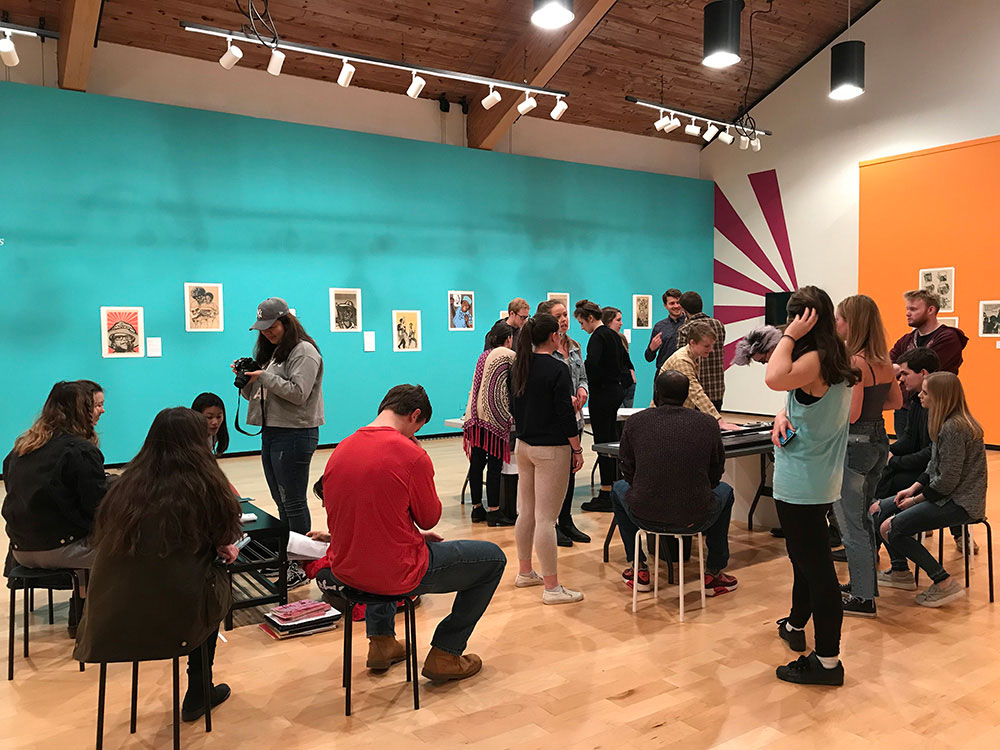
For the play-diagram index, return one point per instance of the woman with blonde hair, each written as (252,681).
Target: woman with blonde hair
(859,323)
(952,491)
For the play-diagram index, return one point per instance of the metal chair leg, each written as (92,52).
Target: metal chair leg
(413,651)
(680,568)
(656,569)
(635,570)
(26,589)
(177,705)
(348,636)
(135,697)
(10,633)
(989,553)
(101,686)
(406,638)
(609,537)
(967,553)
(52,620)
(701,567)
(206,684)
(76,601)
(941,546)
(31,598)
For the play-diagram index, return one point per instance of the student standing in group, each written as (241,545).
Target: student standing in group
(712,375)
(859,324)
(548,444)
(606,370)
(518,311)
(487,424)
(569,353)
(210,406)
(612,318)
(811,364)
(663,337)
(689,360)
(951,491)
(286,400)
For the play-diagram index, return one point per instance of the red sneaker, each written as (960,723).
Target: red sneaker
(720,584)
(643,585)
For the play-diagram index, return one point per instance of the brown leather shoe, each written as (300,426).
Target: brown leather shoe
(384,651)
(440,666)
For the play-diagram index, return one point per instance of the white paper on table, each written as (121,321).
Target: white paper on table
(301,547)
(248,518)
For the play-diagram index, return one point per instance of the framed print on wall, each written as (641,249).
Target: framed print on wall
(406,334)
(989,318)
(642,310)
(941,281)
(203,307)
(461,311)
(122,332)
(345,310)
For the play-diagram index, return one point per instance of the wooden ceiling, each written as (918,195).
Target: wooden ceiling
(635,44)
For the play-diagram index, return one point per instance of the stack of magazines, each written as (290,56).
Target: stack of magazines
(303,617)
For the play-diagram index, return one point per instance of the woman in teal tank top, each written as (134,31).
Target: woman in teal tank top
(811,363)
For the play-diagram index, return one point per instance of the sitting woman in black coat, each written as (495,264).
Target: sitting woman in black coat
(156,591)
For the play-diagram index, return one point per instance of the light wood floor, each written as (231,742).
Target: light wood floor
(590,675)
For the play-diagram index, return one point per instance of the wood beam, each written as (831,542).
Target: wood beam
(546,53)
(77,29)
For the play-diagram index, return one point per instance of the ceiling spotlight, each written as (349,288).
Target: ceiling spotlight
(722,33)
(346,74)
(560,109)
(8,53)
(663,121)
(847,70)
(528,104)
(231,56)
(416,86)
(710,132)
(552,14)
(672,125)
(744,143)
(755,143)
(692,129)
(726,137)
(276,61)
(491,99)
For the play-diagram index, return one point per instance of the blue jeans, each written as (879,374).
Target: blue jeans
(901,542)
(629,397)
(286,453)
(862,467)
(471,569)
(715,527)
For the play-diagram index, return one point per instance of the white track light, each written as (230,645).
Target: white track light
(726,137)
(692,129)
(560,109)
(232,55)
(755,144)
(663,121)
(416,86)
(710,132)
(528,104)
(491,99)
(552,14)
(8,53)
(671,126)
(276,61)
(744,143)
(346,74)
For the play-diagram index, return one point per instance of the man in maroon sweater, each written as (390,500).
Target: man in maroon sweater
(673,460)
(921,314)
(378,489)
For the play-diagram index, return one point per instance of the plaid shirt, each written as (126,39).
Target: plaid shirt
(712,367)
(685,363)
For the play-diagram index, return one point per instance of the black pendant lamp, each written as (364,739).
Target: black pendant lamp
(847,70)
(552,14)
(722,33)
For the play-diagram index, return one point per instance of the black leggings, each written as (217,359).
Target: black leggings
(478,460)
(604,405)
(566,512)
(816,590)
(195,667)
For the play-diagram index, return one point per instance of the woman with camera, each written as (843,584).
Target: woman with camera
(286,400)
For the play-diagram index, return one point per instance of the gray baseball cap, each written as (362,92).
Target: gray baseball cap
(268,312)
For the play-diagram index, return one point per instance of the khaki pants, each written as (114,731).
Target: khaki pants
(541,487)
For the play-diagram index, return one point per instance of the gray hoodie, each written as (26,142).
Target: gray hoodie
(292,391)
(957,469)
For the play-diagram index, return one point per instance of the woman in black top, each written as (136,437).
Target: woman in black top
(606,373)
(55,479)
(547,446)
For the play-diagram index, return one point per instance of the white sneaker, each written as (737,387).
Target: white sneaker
(561,595)
(936,596)
(524,580)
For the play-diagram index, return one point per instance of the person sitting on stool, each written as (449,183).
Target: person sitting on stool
(381,540)
(672,459)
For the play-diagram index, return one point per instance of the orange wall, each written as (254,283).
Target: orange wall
(932,209)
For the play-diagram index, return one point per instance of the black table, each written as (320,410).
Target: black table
(268,548)
(747,442)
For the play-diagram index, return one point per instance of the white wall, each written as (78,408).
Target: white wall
(931,80)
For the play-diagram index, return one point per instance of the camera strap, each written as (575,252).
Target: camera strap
(236,422)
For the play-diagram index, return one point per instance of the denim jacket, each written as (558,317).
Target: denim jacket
(578,374)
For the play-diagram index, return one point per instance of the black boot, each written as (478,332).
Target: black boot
(561,539)
(193,707)
(478,514)
(567,527)
(600,504)
(495,518)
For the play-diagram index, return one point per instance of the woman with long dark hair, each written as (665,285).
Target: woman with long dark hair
(547,446)
(488,422)
(210,406)
(859,323)
(812,365)
(286,400)
(155,592)
(612,318)
(97,393)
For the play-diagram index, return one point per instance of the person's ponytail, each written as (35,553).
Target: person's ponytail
(522,362)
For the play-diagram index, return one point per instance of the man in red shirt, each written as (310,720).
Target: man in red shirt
(378,488)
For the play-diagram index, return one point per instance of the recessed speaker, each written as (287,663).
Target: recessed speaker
(775,308)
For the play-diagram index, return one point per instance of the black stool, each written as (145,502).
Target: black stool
(30,579)
(353,597)
(966,543)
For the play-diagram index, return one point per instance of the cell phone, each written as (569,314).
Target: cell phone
(242,542)
(787,437)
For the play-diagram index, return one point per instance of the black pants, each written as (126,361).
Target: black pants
(566,512)
(604,405)
(196,669)
(717,403)
(815,591)
(478,460)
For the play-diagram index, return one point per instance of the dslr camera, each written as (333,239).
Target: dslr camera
(244,365)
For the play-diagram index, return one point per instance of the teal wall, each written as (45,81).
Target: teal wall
(116,202)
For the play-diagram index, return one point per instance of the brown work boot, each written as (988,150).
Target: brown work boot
(440,666)
(384,651)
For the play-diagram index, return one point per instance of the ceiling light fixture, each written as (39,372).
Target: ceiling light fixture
(416,86)
(231,56)
(276,61)
(726,137)
(710,132)
(552,14)
(744,143)
(692,129)
(668,121)
(527,105)
(722,33)
(346,74)
(847,66)
(755,144)
(8,52)
(491,99)
(663,121)
(559,110)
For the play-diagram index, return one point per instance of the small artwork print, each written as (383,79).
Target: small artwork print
(941,281)
(560,297)
(406,331)
(345,310)
(461,311)
(203,307)
(642,306)
(122,332)
(953,322)
(989,318)
(503,315)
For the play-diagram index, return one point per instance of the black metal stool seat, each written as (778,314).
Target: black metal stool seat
(29,579)
(353,597)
